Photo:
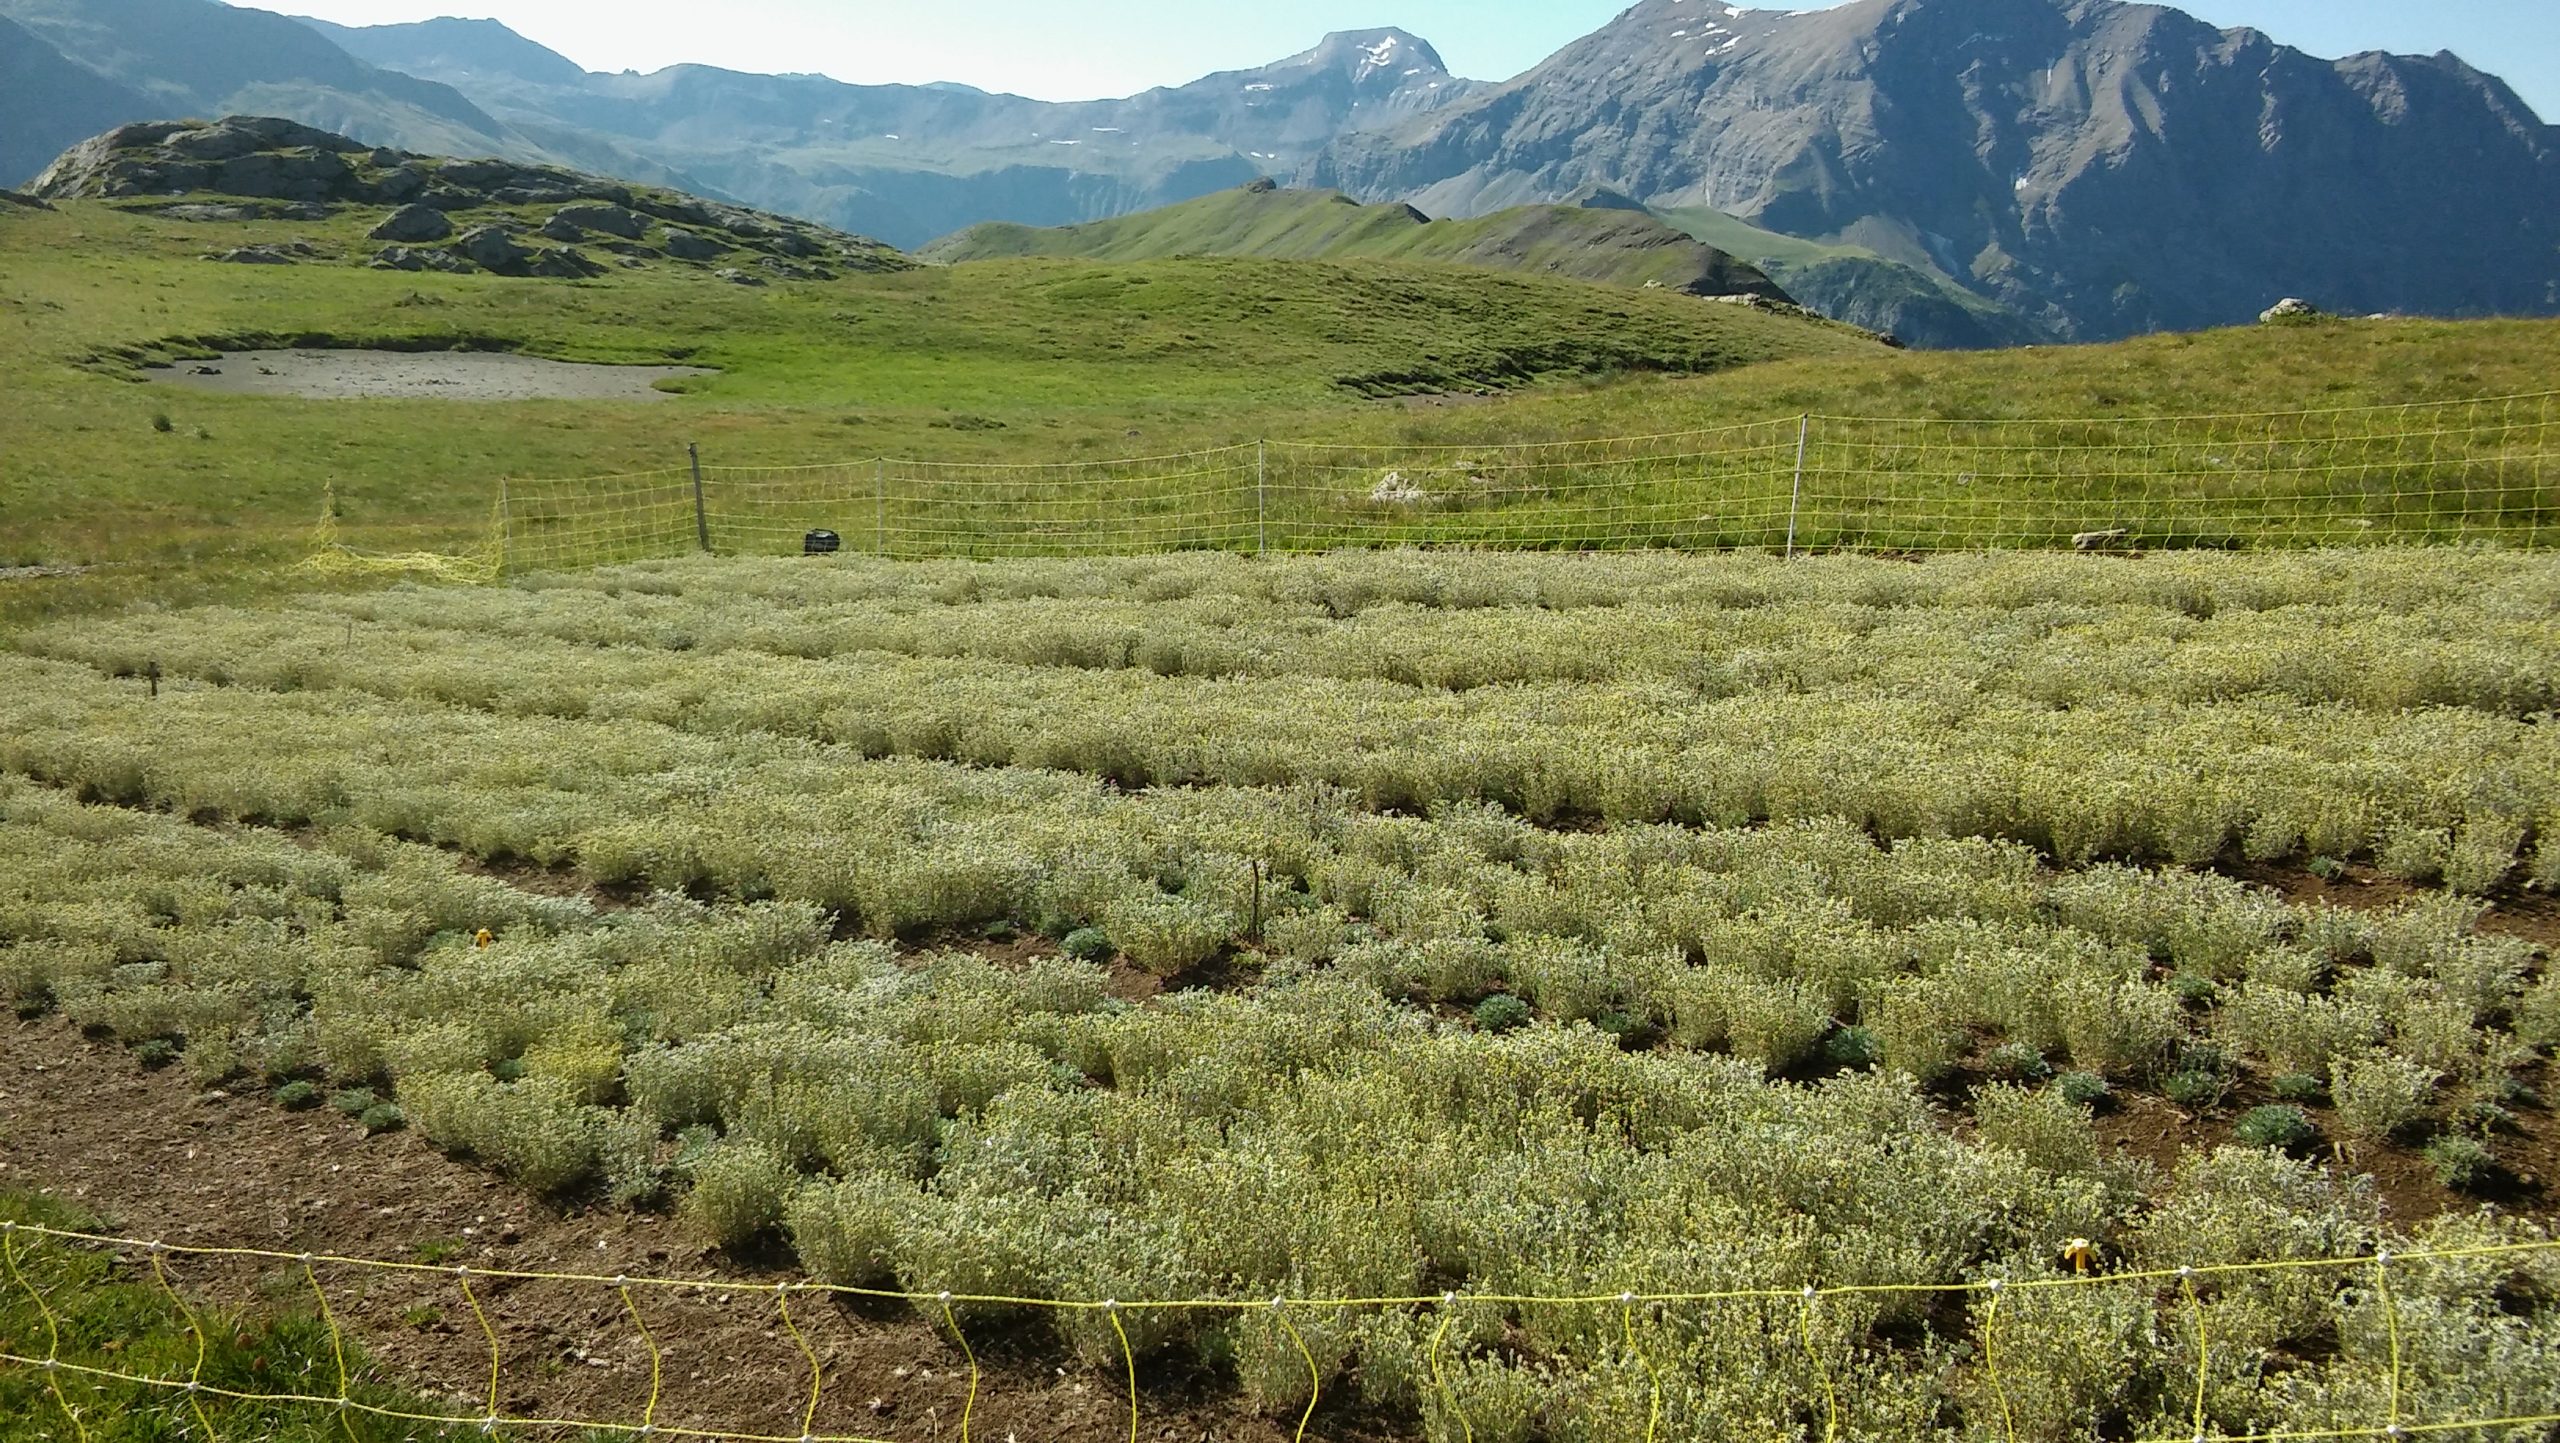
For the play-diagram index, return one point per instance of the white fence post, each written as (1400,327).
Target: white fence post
(701,518)
(1261,497)
(1795,500)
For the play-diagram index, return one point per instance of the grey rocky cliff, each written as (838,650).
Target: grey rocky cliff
(2105,168)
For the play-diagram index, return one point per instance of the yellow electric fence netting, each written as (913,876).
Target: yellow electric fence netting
(2179,1287)
(333,557)
(2434,472)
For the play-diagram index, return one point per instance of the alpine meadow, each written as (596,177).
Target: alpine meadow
(1377,771)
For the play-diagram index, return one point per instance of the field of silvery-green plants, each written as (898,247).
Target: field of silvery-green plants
(1387,926)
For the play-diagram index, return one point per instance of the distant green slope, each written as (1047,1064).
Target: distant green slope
(1853,284)
(1612,243)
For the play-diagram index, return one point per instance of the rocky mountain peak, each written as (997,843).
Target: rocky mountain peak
(1387,59)
(457,50)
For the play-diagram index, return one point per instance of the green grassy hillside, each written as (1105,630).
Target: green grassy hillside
(1626,247)
(1858,285)
(1040,360)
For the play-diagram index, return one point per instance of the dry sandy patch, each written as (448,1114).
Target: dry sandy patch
(407,375)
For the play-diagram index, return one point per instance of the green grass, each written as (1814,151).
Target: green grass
(1010,362)
(1002,362)
(1617,247)
(110,1314)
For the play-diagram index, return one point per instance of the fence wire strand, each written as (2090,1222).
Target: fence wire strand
(1823,1398)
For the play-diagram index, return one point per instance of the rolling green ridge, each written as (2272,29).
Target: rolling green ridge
(1618,246)
(1851,283)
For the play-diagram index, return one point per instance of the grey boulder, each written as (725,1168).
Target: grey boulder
(491,248)
(412,224)
(611,220)
(684,245)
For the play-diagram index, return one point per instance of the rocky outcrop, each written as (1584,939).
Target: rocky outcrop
(10,198)
(2291,311)
(412,224)
(178,157)
(613,220)
(264,169)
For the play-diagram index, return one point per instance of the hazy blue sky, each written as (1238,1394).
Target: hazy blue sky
(1060,51)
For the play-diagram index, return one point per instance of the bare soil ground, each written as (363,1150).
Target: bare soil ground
(400,375)
(161,1161)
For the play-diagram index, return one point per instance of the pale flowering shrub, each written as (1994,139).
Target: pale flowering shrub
(2379,1093)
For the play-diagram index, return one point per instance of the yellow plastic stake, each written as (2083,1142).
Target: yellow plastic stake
(1111,1310)
(195,1379)
(51,1363)
(1315,1375)
(1991,1362)
(971,1405)
(463,1276)
(2391,1316)
(337,1348)
(2204,1343)
(1830,1394)
(817,1375)
(1439,1379)
(1653,1416)
(648,1414)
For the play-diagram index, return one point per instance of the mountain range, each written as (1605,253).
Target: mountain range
(1963,172)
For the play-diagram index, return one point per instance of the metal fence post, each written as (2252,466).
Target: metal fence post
(1795,500)
(701,518)
(506,525)
(1261,497)
(880,505)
